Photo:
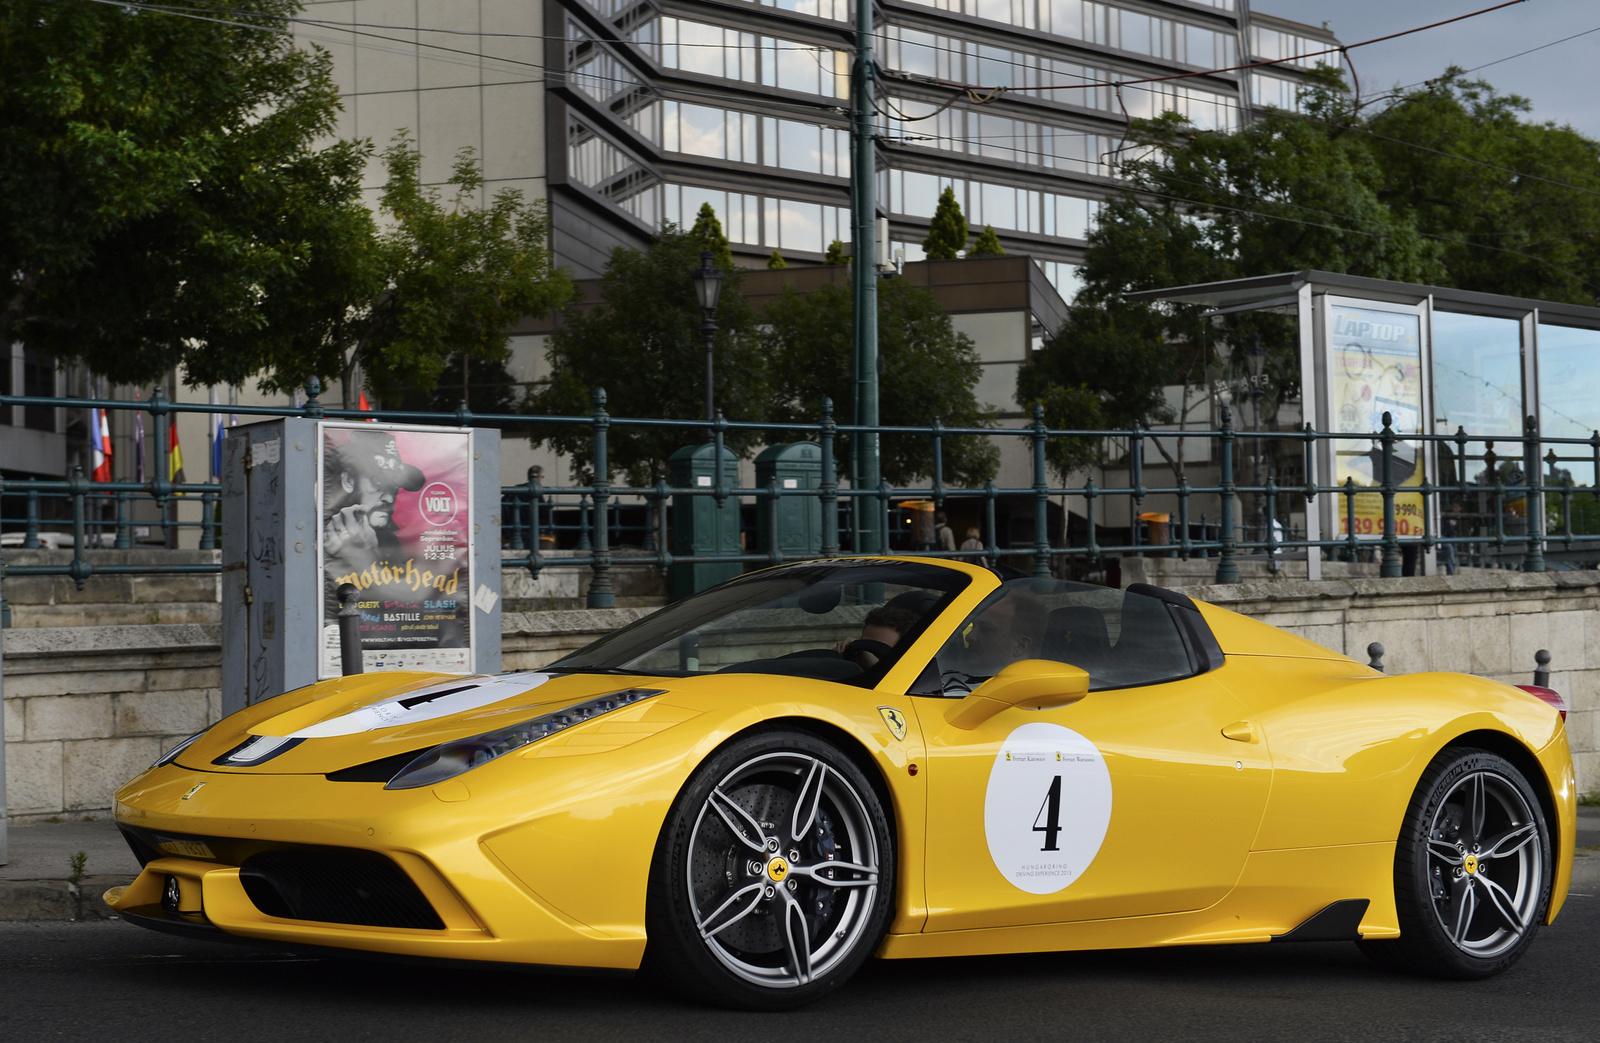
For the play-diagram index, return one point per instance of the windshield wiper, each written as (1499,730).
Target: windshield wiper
(557,669)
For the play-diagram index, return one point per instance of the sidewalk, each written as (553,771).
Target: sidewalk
(35,885)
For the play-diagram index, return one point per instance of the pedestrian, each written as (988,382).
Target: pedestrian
(972,542)
(946,536)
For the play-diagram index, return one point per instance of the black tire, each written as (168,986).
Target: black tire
(730,916)
(1472,870)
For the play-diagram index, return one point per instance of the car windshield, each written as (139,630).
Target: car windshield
(1120,638)
(844,620)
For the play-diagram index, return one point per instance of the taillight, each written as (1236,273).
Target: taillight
(1549,695)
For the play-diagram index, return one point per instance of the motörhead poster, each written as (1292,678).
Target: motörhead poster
(395,507)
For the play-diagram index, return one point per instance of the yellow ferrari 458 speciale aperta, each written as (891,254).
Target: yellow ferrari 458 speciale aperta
(752,791)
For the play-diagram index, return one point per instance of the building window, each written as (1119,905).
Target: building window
(833,10)
(39,381)
(711,50)
(598,164)
(1274,45)
(1275,92)
(915,196)
(949,58)
(1066,278)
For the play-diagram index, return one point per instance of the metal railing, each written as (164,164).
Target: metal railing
(593,525)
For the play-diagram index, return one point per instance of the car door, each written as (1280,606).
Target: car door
(1128,802)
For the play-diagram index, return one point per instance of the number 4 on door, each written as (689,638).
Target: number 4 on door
(1050,813)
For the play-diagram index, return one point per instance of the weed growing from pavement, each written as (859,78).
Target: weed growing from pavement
(77,862)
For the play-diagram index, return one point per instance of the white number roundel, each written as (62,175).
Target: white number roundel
(1047,808)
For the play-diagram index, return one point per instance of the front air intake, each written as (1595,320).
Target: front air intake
(335,886)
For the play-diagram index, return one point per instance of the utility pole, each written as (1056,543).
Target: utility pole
(864,259)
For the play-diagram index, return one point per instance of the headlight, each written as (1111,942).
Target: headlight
(172,754)
(454,758)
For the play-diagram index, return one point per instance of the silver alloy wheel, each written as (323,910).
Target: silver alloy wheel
(783,869)
(1485,864)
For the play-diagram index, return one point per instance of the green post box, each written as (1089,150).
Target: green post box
(699,525)
(794,525)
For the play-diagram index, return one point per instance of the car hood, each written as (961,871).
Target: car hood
(338,724)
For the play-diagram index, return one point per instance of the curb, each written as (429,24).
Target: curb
(57,900)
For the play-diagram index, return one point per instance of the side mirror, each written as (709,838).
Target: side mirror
(1029,684)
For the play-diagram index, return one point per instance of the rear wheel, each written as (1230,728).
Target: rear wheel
(774,877)
(1472,870)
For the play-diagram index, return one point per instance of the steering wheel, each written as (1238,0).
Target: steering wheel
(876,649)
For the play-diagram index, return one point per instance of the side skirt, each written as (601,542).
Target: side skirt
(1339,922)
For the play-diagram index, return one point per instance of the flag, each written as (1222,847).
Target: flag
(138,442)
(216,441)
(100,445)
(174,454)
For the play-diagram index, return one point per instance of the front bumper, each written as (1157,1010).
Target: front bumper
(204,827)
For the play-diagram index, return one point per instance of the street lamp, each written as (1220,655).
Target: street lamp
(707,288)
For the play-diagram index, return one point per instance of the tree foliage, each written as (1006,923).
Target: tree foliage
(161,197)
(1447,185)
(947,232)
(835,257)
(776,261)
(708,230)
(445,279)
(987,244)
(1514,203)
(928,370)
(643,345)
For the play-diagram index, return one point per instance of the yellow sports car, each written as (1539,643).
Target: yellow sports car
(751,792)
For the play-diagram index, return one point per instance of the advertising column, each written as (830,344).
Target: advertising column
(408,515)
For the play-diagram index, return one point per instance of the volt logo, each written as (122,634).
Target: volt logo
(437,504)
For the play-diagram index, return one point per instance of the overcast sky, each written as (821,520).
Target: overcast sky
(1560,81)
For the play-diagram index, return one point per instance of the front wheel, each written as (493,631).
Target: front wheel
(1472,870)
(774,877)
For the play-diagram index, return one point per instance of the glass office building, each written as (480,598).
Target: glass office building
(658,108)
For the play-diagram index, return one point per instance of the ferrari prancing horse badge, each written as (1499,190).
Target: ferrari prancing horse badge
(895,720)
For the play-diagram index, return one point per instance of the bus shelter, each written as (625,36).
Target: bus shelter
(1493,404)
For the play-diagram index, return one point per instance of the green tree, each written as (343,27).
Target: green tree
(161,196)
(1514,203)
(835,256)
(776,261)
(1287,192)
(445,279)
(947,232)
(987,244)
(929,370)
(707,231)
(643,345)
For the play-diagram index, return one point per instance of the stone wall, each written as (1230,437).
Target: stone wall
(112,600)
(88,707)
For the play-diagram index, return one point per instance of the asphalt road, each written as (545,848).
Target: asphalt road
(114,982)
